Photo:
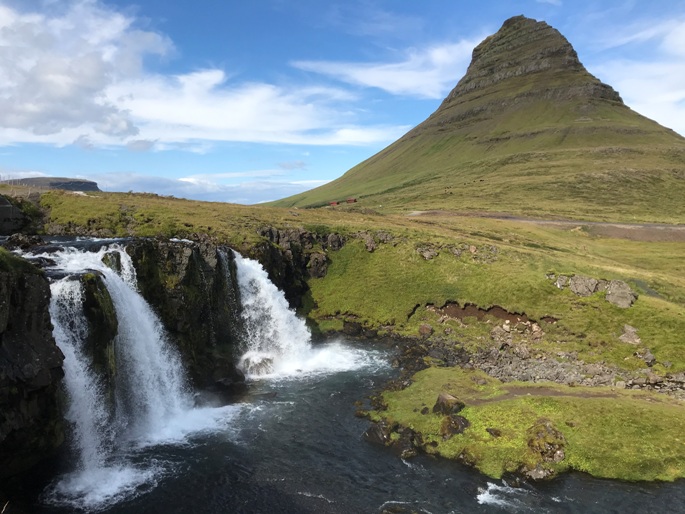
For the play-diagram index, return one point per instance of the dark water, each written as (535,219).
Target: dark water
(295,446)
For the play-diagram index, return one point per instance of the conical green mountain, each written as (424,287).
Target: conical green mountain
(527,131)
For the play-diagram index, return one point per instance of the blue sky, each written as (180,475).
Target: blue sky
(249,101)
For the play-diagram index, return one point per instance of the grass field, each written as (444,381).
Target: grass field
(485,262)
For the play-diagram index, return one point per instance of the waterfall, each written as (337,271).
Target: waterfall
(87,409)
(152,400)
(276,342)
(150,384)
(274,335)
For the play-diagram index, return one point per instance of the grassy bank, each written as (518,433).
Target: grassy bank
(608,433)
(395,272)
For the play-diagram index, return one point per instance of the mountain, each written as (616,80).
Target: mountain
(68,184)
(527,131)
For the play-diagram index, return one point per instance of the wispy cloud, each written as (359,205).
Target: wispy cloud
(75,74)
(366,19)
(209,187)
(652,86)
(423,73)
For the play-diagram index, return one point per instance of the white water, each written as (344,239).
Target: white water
(153,403)
(277,342)
(87,410)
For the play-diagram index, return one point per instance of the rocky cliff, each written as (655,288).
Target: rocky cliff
(292,255)
(525,60)
(192,286)
(31,425)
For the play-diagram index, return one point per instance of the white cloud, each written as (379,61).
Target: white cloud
(423,73)
(207,187)
(652,86)
(54,69)
(74,73)
(140,145)
(18,174)
(665,101)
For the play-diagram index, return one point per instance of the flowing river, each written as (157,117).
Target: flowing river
(291,445)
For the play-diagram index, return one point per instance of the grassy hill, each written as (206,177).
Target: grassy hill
(527,131)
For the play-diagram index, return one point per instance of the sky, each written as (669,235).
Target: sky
(250,101)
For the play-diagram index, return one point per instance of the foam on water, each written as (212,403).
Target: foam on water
(512,499)
(101,487)
(278,343)
(153,403)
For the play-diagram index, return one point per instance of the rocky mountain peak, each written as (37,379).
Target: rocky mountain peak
(525,59)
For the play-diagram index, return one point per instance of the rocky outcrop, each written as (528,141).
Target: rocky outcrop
(68,184)
(292,255)
(19,214)
(617,291)
(526,60)
(192,286)
(31,425)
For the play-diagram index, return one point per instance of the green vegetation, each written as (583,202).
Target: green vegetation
(485,262)
(608,433)
(545,142)
(592,176)
(13,264)
(541,140)
(391,287)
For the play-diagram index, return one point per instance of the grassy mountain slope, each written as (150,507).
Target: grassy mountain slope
(527,131)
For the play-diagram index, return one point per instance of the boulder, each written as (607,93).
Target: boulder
(425,330)
(352,328)
(620,294)
(427,253)
(23,241)
(453,425)
(630,335)
(317,266)
(545,440)
(494,432)
(447,404)
(582,285)
(379,433)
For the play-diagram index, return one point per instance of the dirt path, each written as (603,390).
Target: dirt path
(648,232)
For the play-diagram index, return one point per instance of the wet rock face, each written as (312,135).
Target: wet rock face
(195,294)
(292,255)
(31,426)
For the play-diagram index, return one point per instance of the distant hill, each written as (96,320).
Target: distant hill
(527,131)
(68,184)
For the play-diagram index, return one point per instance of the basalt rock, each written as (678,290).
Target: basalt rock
(292,255)
(447,404)
(617,291)
(192,286)
(31,425)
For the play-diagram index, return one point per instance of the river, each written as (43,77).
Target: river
(292,444)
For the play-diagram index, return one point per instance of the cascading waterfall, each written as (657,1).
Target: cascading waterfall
(150,381)
(277,342)
(116,441)
(152,400)
(87,410)
(274,333)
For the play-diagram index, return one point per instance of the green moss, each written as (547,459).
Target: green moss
(11,263)
(608,433)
